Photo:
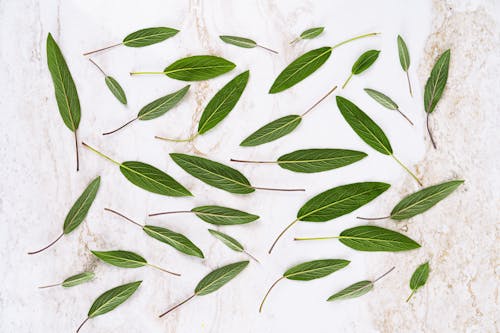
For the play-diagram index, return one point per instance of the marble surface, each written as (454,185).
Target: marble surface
(39,183)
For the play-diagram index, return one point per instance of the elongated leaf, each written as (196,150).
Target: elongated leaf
(300,68)
(161,105)
(372,238)
(219,277)
(81,207)
(419,278)
(112,298)
(364,61)
(318,160)
(354,290)
(272,131)
(223,216)
(177,241)
(315,269)
(198,68)
(364,126)
(339,201)
(213,173)
(77,279)
(125,259)
(116,89)
(384,100)
(312,33)
(152,179)
(229,241)
(423,200)
(149,36)
(437,81)
(223,102)
(239,41)
(404,55)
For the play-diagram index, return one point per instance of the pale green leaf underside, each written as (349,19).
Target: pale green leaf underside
(149,36)
(77,279)
(272,131)
(354,290)
(372,238)
(218,215)
(315,269)
(420,276)
(382,99)
(161,105)
(404,55)
(219,277)
(119,258)
(364,61)
(81,207)
(178,241)
(318,160)
(198,68)
(112,298)
(437,81)
(229,241)
(239,41)
(116,89)
(312,33)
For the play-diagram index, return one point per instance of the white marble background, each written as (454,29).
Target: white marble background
(39,182)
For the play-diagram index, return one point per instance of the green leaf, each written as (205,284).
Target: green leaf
(161,105)
(437,81)
(300,69)
(77,279)
(125,259)
(364,61)
(218,215)
(318,160)
(312,33)
(81,207)
(177,241)
(372,238)
(116,89)
(404,55)
(152,179)
(112,298)
(214,173)
(419,278)
(382,99)
(354,290)
(339,201)
(149,36)
(198,68)
(219,277)
(229,241)
(364,126)
(272,131)
(423,200)
(315,269)
(239,41)
(222,103)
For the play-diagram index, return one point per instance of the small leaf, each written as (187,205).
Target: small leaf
(223,216)
(272,131)
(219,277)
(222,103)
(149,36)
(364,61)
(125,259)
(318,160)
(354,290)
(382,99)
(239,41)
(77,279)
(213,173)
(116,89)
(437,81)
(312,33)
(229,241)
(198,68)
(161,105)
(372,238)
(315,269)
(404,55)
(112,298)
(81,207)
(177,241)
(419,278)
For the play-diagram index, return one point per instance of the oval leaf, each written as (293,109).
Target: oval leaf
(372,238)
(419,277)
(116,89)
(112,298)
(223,216)
(364,61)
(312,33)
(404,55)
(315,269)
(222,103)
(152,179)
(300,68)
(423,200)
(272,131)
(198,68)
(213,173)
(219,277)
(177,241)
(77,279)
(125,259)
(149,36)
(364,126)
(354,290)
(437,81)
(239,41)
(161,105)
(339,201)
(229,241)
(318,160)
(382,99)
(81,207)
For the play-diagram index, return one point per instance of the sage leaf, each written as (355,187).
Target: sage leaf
(217,215)
(126,259)
(272,131)
(229,241)
(72,280)
(418,279)
(65,90)
(362,64)
(309,34)
(386,102)
(373,238)
(309,271)
(213,281)
(112,84)
(178,241)
(244,42)
(435,86)
(110,300)
(404,59)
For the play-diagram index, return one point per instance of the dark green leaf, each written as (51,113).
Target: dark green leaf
(272,131)
(239,41)
(149,36)
(161,105)
(315,269)
(198,68)
(174,239)
(382,99)
(116,89)
(81,207)
(229,241)
(419,278)
(318,160)
(312,33)
(354,290)
(222,103)
(404,56)
(223,216)
(112,298)
(219,277)
(437,81)
(372,238)
(125,259)
(77,279)
(364,61)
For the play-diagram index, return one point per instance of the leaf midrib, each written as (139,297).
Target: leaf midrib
(174,95)
(153,180)
(434,86)
(375,239)
(172,240)
(111,299)
(191,68)
(418,202)
(277,128)
(307,271)
(220,215)
(148,36)
(91,191)
(217,109)
(316,160)
(216,280)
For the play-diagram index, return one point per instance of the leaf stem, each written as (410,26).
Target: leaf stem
(267,294)
(316,238)
(266,48)
(409,83)
(119,128)
(401,113)
(81,325)
(100,154)
(278,189)
(355,38)
(373,218)
(50,286)
(162,269)
(411,295)
(251,256)
(347,81)
(295,40)
(247,161)
(142,73)
(191,138)
(172,212)
(76,150)
(429,131)
(123,216)
(98,67)
(176,306)
(383,275)
(407,170)
(280,235)
(46,247)
(319,101)
(104,48)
